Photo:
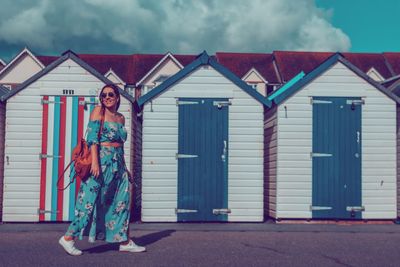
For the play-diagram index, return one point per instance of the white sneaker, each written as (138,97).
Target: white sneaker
(69,247)
(131,247)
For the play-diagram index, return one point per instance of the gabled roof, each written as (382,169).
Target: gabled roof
(242,63)
(65,56)
(292,62)
(122,65)
(2,64)
(17,57)
(144,65)
(202,59)
(130,68)
(298,85)
(257,73)
(112,72)
(393,59)
(366,61)
(166,56)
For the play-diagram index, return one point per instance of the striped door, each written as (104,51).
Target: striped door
(64,122)
(336,158)
(202,160)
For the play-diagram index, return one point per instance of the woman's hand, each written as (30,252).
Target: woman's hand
(95,169)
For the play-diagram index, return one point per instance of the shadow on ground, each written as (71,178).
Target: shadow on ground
(142,241)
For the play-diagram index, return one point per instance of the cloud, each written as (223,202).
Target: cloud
(179,26)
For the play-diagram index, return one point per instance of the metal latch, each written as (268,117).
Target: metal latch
(50,102)
(83,103)
(184,102)
(45,156)
(221,104)
(39,211)
(221,211)
(319,208)
(185,156)
(355,102)
(185,211)
(355,208)
(320,155)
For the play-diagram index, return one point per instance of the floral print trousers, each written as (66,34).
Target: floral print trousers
(103,203)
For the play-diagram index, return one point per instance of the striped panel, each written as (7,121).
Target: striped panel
(43,166)
(64,124)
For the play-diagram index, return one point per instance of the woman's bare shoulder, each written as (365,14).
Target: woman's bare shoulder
(96,113)
(120,118)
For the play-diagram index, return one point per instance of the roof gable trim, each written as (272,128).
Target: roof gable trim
(111,72)
(337,57)
(203,59)
(168,55)
(53,65)
(254,70)
(15,59)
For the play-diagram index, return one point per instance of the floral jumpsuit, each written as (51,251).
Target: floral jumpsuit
(103,203)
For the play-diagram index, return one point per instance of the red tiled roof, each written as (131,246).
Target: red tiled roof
(291,63)
(130,68)
(394,60)
(242,63)
(366,61)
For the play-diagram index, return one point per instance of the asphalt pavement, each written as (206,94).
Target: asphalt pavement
(211,244)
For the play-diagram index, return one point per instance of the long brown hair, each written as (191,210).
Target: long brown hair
(116,92)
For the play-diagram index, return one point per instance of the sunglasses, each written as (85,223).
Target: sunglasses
(110,94)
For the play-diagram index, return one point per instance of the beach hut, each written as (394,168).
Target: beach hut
(45,117)
(202,147)
(331,146)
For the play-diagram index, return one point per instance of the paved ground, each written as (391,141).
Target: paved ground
(264,244)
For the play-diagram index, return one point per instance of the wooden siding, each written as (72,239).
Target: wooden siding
(136,166)
(160,143)
(2,134)
(378,146)
(270,161)
(398,159)
(23,136)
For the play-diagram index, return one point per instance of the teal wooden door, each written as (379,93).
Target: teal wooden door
(202,159)
(336,184)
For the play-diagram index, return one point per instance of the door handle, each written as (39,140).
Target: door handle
(224,151)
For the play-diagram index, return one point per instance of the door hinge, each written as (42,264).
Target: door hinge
(44,156)
(221,211)
(185,156)
(184,102)
(355,208)
(315,101)
(185,211)
(39,211)
(320,155)
(319,208)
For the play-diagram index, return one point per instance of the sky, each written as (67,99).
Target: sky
(49,27)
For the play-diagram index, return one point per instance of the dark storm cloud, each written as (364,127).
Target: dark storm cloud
(154,26)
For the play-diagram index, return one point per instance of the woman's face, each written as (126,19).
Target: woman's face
(108,97)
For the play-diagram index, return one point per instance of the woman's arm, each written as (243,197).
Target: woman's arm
(95,168)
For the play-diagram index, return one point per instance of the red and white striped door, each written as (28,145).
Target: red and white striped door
(64,123)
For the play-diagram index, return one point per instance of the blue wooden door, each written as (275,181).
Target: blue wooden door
(202,159)
(336,185)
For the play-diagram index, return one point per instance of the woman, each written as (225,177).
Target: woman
(103,203)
